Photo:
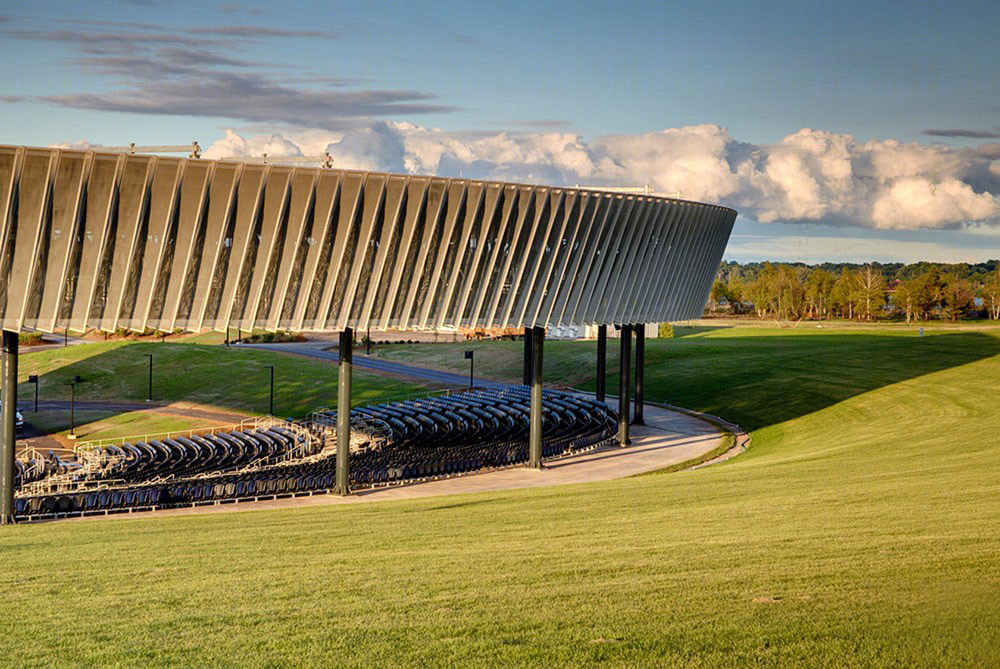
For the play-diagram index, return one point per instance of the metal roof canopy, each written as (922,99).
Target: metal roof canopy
(91,239)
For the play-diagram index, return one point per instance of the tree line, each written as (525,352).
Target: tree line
(915,292)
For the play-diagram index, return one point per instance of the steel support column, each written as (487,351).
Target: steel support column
(8,426)
(602,361)
(535,434)
(345,357)
(624,384)
(528,358)
(640,363)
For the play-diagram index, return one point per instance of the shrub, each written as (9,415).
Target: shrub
(666,331)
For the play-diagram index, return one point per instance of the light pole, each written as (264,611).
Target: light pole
(472,362)
(271,404)
(72,405)
(34,379)
(149,397)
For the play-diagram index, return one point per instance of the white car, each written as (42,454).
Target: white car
(18,419)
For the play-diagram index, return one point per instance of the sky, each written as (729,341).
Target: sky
(840,131)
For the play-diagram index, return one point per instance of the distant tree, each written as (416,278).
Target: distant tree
(869,295)
(919,290)
(761,290)
(931,295)
(907,297)
(788,292)
(819,292)
(957,296)
(735,291)
(718,295)
(842,294)
(991,293)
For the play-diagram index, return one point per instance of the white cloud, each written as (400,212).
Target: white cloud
(234,145)
(809,176)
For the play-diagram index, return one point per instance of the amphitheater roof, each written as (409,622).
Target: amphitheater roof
(92,239)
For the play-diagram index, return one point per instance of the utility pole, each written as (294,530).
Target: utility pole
(149,397)
(271,403)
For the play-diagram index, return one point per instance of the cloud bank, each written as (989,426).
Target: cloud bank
(199,72)
(809,176)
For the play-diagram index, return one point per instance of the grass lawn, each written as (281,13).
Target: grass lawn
(861,529)
(138,423)
(196,372)
(53,422)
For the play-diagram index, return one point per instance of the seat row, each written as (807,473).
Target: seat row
(189,456)
(441,436)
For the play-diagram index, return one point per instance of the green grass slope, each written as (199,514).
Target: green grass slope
(193,372)
(861,529)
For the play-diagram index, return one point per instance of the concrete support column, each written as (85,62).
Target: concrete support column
(535,434)
(624,384)
(528,359)
(640,362)
(345,356)
(8,426)
(602,361)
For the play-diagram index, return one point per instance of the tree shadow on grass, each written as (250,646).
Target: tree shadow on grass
(758,381)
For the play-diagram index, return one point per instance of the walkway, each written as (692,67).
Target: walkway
(668,439)
(318,349)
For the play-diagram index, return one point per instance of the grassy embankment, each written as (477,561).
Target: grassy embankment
(234,380)
(861,529)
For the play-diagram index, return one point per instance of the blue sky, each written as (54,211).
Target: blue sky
(903,101)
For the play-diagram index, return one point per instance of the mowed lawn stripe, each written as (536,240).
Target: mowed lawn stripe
(862,528)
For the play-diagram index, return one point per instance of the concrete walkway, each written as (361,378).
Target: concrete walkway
(669,438)
(318,349)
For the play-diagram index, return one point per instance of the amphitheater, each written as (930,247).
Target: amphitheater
(102,240)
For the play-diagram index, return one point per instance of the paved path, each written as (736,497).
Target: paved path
(176,408)
(52,341)
(318,349)
(669,438)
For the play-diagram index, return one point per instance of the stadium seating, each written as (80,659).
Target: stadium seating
(428,437)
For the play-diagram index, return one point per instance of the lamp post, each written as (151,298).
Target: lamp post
(34,379)
(472,362)
(149,397)
(271,403)
(72,405)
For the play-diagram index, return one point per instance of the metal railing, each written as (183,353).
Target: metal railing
(364,402)
(366,432)
(95,459)
(193,149)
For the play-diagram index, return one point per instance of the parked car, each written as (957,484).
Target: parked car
(18,419)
